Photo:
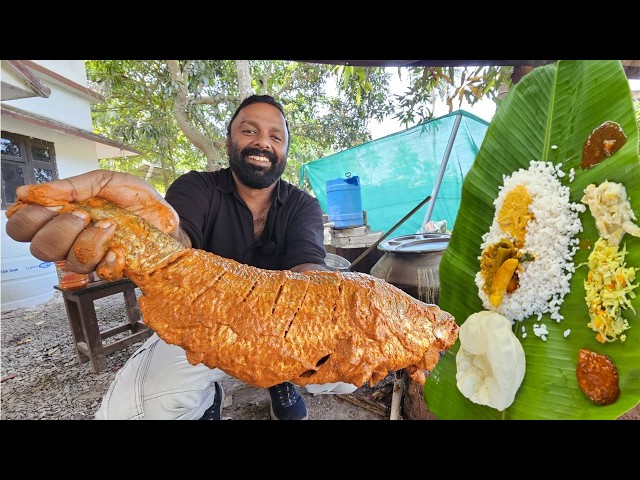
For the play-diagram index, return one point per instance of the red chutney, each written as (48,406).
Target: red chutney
(597,377)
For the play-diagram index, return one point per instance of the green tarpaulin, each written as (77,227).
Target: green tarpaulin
(399,171)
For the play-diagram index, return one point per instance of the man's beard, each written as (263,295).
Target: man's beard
(251,175)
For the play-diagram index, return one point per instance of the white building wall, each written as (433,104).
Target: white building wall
(27,281)
(65,104)
(12,77)
(74,70)
(74,155)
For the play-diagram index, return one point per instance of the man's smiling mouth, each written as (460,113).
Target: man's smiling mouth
(259,159)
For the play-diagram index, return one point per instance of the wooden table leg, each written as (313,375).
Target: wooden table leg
(133,310)
(73,315)
(87,336)
(89,322)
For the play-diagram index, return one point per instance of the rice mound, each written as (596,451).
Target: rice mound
(550,237)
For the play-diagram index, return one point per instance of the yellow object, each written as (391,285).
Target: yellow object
(492,257)
(514,215)
(609,290)
(501,281)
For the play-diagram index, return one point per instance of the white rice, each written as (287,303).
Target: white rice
(540,331)
(550,237)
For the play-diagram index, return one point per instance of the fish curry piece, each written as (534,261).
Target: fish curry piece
(492,259)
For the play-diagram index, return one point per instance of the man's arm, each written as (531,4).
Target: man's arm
(306,267)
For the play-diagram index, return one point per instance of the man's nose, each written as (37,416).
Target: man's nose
(263,141)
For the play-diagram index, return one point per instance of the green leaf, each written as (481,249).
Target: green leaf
(557,105)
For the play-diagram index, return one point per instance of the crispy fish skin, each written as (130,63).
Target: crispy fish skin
(266,327)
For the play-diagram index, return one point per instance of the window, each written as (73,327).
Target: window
(25,160)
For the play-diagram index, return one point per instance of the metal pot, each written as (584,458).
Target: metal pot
(336,262)
(412,262)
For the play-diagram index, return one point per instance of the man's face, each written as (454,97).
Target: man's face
(257,146)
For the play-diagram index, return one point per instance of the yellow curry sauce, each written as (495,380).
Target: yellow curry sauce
(513,218)
(514,215)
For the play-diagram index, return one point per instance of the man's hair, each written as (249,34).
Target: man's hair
(260,99)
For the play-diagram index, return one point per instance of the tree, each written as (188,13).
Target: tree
(175,111)
(138,111)
(429,84)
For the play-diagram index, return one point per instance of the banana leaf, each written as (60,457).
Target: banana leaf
(547,116)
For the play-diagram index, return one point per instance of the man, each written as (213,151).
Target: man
(244,212)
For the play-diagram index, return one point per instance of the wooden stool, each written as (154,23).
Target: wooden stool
(84,323)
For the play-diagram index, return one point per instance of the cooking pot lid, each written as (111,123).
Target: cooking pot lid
(417,243)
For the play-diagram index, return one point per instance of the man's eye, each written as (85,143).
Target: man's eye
(248,131)
(276,138)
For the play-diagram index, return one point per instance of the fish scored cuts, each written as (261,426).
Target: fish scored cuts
(266,327)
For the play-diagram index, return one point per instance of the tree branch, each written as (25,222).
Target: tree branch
(180,110)
(213,100)
(287,84)
(244,78)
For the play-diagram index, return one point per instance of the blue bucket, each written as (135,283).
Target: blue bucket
(344,202)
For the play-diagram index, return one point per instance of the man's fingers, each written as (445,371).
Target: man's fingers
(90,247)
(123,189)
(73,189)
(111,267)
(25,223)
(54,240)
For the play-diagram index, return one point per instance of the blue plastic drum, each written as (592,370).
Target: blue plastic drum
(344,202)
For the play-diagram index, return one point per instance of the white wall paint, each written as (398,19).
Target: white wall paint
(64,104)
(74,155)
(27,281)
(74,70)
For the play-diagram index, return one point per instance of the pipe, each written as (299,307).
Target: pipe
(443,166)
(368,250)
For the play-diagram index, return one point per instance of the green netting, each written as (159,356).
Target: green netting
(399,171)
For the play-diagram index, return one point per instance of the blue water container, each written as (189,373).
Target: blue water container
(344,202)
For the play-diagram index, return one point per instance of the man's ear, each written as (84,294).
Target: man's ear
(226,145)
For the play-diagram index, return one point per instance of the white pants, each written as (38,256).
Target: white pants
(159,383)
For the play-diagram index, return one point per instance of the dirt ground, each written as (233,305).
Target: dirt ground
(244,402)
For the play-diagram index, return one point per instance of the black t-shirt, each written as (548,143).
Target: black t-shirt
(219,221)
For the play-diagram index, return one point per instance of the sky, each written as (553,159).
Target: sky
(484,109)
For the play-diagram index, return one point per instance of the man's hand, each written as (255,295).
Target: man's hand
(68,236)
